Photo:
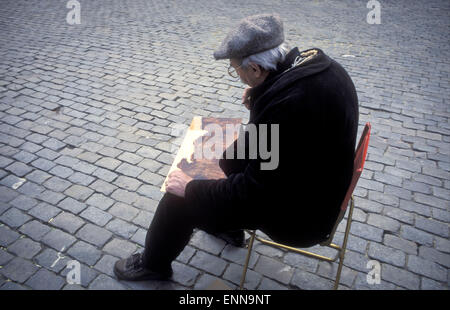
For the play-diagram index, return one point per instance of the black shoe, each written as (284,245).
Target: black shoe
(234,237)
(132,269)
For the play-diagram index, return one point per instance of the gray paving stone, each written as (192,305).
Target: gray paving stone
(368,205)
(44,211)
(100,201)
(67,222)
(428,284)
(18,270)
(124,196)
(12,181)
(386,254)
(143,219)
(66,160)
(19,169)
(81,179)
(57,184)
(23,202)
(57,239)
(45,280)
(84,167)
(267,250)
(72,205)
(105,175)
(129,170)
(48,154)
(268,284)
(431,201)
(121,228)
(234,275)
(5,257)
(442,245)
(415,207)
(14,218)
(208,262)
(207,242)
(309,281)
(96,216)
(435,227)
(54,144)
(238,255)
(108,163)
(7,235)
(103,187)
(85,253)
(120,248)
(146,204)
(400,215)
(329,271)
(79,192)
(7,194)
(31,189)
(25,248)
(205,281)
(24,156)
(48,259)
(274,269)
(106,265)
(43,164)
(383,222)
(186,255)
(429,269)
(384,198)
(11,286)
(139,237)
(94,235)
(127,183)
(416,235)
(433,255)
(367,231)
(31,147)
(61,171)
(184,274)
(401,244)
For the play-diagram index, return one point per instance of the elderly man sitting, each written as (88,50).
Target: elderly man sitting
(313,100)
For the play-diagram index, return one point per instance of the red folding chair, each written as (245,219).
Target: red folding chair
(360,158)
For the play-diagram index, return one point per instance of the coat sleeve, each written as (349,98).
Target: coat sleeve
(244,184)
(237,188)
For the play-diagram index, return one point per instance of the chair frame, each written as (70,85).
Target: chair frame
(328,242)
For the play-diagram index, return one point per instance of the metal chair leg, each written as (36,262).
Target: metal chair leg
(344,245)
(244,273)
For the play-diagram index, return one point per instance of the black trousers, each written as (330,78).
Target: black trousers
(174,222)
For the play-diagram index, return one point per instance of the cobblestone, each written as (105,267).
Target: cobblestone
(87,120)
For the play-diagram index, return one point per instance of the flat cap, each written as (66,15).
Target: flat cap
(253,34)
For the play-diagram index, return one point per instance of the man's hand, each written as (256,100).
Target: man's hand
(245,98)
(176,183)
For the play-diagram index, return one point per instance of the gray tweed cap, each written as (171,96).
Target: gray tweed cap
(253,34)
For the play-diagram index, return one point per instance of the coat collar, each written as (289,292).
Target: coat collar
(296,65)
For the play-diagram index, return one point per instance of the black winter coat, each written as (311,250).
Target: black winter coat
(314,101)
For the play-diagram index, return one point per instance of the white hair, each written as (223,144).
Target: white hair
(269,59)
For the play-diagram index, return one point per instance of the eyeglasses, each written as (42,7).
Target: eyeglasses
(232,71)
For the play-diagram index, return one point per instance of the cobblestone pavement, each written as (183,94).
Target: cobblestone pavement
(87,115)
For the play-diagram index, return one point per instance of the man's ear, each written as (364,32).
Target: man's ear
(256,69)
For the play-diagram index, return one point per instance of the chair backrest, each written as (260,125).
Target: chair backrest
(358,166)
